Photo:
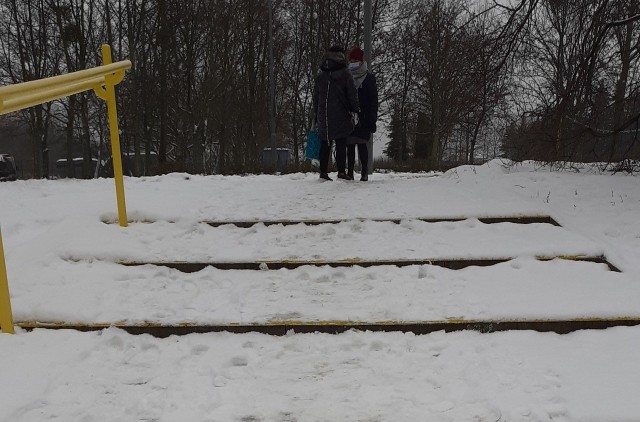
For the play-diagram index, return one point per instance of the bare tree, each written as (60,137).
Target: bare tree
(29,55)
(628,53)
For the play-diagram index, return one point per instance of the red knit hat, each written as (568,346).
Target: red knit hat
(356,54)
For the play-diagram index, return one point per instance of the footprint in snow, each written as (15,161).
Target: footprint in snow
(239,361)
(199,349)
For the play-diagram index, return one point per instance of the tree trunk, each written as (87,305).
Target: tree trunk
(621,83)
(70,170)
(163,44)
(87,168)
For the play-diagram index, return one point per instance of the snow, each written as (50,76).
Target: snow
(62,255)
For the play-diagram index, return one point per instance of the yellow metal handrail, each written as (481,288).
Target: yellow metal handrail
(102,80)
(18,89)
(32,98)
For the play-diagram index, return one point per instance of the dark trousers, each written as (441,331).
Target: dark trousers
(341,155)
(363,155)
(325,154)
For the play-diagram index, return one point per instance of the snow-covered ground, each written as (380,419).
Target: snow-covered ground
(62,267)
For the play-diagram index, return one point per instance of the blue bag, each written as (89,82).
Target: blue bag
(312,151)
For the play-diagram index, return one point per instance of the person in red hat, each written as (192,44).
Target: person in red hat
(365,83)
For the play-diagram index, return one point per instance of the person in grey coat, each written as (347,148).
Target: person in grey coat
(334,99)
(367,117)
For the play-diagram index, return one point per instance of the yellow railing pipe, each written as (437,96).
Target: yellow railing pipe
(69,78)
(6,319)
(109,93)
(33,98)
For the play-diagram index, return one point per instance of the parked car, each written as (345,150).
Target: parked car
(8,170)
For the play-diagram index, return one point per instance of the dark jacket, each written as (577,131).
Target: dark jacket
(368,115)
(334,98)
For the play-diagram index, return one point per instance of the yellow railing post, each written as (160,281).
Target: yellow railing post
(102,80)
(110,98)
(6,316)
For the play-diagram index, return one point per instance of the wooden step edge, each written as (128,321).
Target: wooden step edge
(279,328)
(452,264)
(523,219)
(516,219)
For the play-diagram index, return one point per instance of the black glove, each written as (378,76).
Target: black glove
(373,128)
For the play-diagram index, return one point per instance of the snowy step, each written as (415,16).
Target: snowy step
(363,240)
(520,293)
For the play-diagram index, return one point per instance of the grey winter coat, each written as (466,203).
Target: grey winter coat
(334,98)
